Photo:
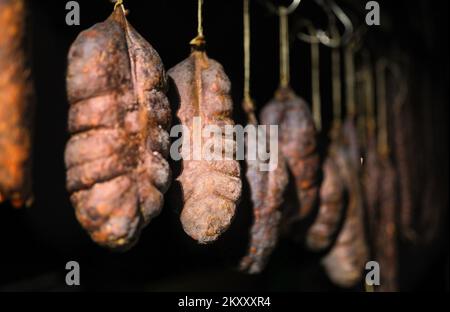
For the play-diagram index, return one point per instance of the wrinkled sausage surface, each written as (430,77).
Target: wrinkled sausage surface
(322,232)
(118,119)
(266,190)
(297,141)
(211,188)
(346,260)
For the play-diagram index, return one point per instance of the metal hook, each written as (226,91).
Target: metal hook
(319,34)
(275,10)
(294,5)
(312,35)
(333,11)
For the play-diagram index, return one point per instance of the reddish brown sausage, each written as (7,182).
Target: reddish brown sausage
(321,233)
(119,117)
(347,258)
(15,106)
(267,189)
(297,143)
(211,188)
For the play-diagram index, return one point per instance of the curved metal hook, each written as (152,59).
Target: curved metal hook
(293,6)
(333,11)
(312,35)
(275,10)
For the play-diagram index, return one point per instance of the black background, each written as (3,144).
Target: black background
(38,241)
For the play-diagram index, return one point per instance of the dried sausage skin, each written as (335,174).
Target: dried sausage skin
(211,188)
(267,190)
(298,144)
(345,262)
(321,233)
(119,116)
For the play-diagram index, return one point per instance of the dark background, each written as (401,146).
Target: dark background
(38,241)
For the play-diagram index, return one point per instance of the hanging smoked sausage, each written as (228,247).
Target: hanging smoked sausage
(266,186)
(211,188)
(267,190)
(321,233)
(119,116)
(297,132)
(16,112)
(347,258)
